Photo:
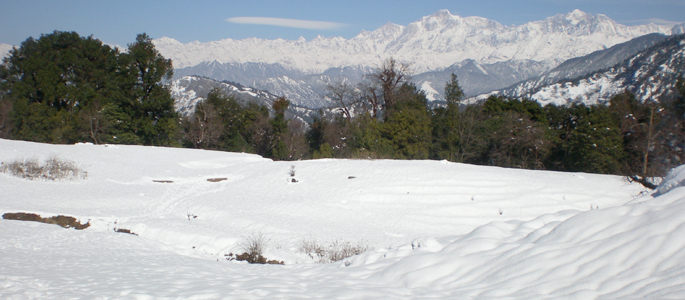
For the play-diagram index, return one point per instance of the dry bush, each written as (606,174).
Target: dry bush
(334,251)
(254,247)
(54,168)
(311,247)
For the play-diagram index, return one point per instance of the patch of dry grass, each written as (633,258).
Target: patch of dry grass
(53,168)
(331,252)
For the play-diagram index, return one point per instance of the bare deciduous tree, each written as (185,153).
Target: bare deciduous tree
(343,94)
(381,90)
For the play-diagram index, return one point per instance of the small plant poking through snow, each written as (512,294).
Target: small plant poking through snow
(292,174)
(254,247)
(335,251)
(53,168)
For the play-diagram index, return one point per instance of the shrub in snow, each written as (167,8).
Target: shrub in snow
(292,174)
(53,168)
(254,249)
(335,251)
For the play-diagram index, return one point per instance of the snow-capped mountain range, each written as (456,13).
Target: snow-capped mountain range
(432,43)
(486,55)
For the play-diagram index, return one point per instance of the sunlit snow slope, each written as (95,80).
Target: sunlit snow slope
(439,229)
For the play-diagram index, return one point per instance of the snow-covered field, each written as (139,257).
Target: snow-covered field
(437,230)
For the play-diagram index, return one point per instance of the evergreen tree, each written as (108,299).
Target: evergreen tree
(596,144)
(55,79)
(446,125)
(148,100)
(279,125)
(408,126)
(453,92)
(517,134)
(64,88)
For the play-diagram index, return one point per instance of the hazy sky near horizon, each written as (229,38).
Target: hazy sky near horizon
(118,22)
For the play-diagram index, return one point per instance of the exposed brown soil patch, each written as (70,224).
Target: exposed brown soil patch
(64,221)
(216,179)
(124,230)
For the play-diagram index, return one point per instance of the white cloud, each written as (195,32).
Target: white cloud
(304,24)
(653,21)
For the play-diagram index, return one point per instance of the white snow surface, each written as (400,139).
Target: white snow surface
(438,230)
(432,43)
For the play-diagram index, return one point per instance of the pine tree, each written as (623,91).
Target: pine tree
(453,92)
(148,100)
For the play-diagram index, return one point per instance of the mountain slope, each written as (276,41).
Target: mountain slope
(476,78)
(189,90)
(650,74)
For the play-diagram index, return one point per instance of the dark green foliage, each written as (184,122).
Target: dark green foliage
(453,92)
(64,88)
(626,137)
(53,82)
(638,125)
(531,109)
(279,125)
(332,136)
(147,100)
(596,144)
(515,140)
(221,123)
(408,125)
(459,136)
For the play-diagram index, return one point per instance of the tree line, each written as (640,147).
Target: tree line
(626,136)
(63,88)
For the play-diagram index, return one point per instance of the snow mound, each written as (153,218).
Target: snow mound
(675,178)
(629,251)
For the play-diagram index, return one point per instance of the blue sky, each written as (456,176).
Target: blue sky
(118,22)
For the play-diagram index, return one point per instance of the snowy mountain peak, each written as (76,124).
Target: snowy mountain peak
(678,29)
(5,50)
(389,30)
(443,20)
(442,14)
(167,41)
(577,16)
